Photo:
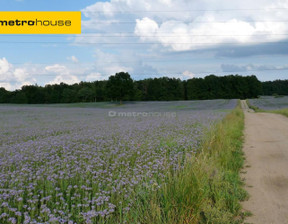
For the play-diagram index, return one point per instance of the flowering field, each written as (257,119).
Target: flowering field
(270,103)
(86,165)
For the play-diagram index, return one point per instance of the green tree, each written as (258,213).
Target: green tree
(86,94)
(3,95)
(120,87)
(99,88)
(69,96)
(34,94)
(197,89)
(254,86)
(18,96)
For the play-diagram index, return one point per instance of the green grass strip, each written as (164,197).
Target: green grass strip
(282,111)
(257,109)
(209,188)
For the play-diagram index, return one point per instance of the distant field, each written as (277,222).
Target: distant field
(144,105)
(270,103)
(84,163)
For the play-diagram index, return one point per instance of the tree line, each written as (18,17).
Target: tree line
(277,87)
(121,87)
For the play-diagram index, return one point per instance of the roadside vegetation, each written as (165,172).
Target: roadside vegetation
(209,188)
(275,104)
(255,108)
(282,111)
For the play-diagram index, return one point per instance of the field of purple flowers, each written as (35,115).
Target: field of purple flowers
(270,102)
(85,165)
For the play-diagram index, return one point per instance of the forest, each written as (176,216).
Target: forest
(121,87)
(277,87)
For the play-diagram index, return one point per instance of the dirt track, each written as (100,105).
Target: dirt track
(266,150)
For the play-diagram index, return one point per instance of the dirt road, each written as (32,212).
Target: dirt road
(266,150)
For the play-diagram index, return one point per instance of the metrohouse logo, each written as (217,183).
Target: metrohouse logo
(40,22)
(35,23)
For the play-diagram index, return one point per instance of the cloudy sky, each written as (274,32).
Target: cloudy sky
(150,38)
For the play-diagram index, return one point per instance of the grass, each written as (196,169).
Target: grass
(208,189)
(257,109)
(282,111)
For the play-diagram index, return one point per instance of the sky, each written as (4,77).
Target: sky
(150,38)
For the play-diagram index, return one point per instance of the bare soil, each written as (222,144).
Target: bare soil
(266,169)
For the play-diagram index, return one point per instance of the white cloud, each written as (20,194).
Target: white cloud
(68,79)
(6,85)
(187,25)
(95,76)
(60,69)
(4,66)
(73,59)
(11,77)
(188,75)
(63,74)
(146,28)
(109,64)
(21,74)
(251,67)
(180,36)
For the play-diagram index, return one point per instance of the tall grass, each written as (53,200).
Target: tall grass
(208,189)
(256,109)
(282,111)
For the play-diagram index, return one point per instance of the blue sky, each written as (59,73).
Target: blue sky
(150,38)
